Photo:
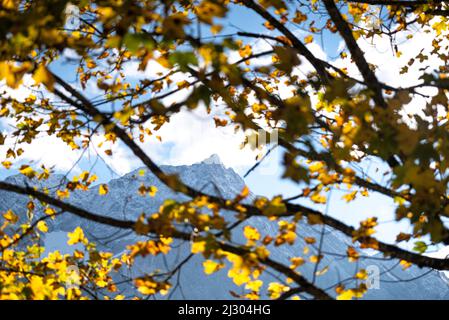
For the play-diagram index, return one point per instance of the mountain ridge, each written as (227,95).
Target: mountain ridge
(211,176)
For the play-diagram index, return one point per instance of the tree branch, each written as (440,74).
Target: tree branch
(356,53)
(297,44)
(405,3)
(422,261)
(127,224)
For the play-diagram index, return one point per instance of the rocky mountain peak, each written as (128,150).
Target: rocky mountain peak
(213,159)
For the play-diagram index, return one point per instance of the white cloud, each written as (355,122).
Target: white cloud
(48,150)
(52,152)
(379,51)
(192,136)
(189,137)
(21,92)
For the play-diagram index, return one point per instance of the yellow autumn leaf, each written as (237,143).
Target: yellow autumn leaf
(49,211)
(350,196)
(42,226)
(275,290)
(141,227)
(310,240)
(216,28)
(198,246)
(10,216)
(9,4)
(7,164)
(27,171)
(316,166)
(105,13)
(346,295)
(254,285)
(245,192)
(245,51)
(152,191)
(405,264)
(42,75)
(318,198)
(361,274)
(76,236)
(211,266)
(91,64)
(207,10)
(173,26)
(103,189)
(251,233)
(296,262)
(308,39)
(63,193)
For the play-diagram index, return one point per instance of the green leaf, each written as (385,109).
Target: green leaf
(183,59)
(133,41)
(420,247)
